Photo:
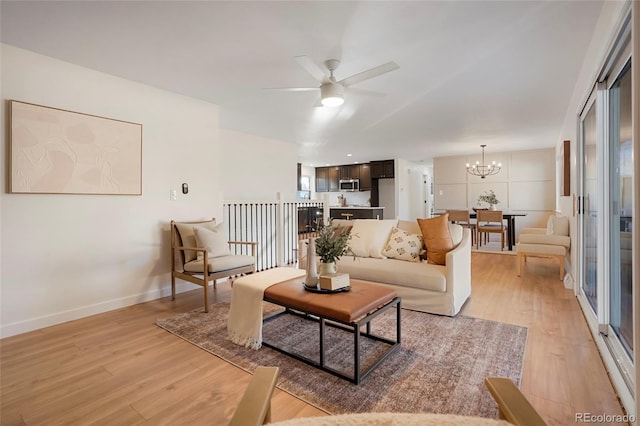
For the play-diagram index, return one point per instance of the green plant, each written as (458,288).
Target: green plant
(488,197)
(331,243)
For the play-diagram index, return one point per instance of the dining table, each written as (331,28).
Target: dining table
(510,217)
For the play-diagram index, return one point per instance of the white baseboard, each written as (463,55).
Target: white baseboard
(31,324)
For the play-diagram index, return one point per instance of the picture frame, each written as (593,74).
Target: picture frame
(566,168)
(57,151)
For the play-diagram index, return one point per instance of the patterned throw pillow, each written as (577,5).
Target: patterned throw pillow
(403,246)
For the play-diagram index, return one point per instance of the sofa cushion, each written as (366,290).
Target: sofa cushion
(368,236)
(410,226)
(403,246)
(437,238)
(558,225)
(214,240)
(188,238)
(396,272)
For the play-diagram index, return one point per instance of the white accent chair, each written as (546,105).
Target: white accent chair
(552,242)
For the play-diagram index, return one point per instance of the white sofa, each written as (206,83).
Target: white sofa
(425,287)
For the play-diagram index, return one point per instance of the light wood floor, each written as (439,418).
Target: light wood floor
(119,368)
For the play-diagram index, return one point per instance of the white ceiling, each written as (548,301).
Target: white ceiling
(493,72)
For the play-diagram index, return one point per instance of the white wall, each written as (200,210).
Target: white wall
(256,168)
(64,257)
(526,183)
(410,189)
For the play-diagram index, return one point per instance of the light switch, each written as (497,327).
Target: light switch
(441,192)
(173,195)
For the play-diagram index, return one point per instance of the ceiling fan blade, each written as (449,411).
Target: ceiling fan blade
(366,75)
(366,92)
(292,89)
(311,67)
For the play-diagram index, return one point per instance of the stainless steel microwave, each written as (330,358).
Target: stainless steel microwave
(349,185)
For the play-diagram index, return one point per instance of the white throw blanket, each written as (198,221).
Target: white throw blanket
(244,325)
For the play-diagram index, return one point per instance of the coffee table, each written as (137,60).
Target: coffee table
(346,310)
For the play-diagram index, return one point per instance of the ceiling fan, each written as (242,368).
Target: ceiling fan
(332,90)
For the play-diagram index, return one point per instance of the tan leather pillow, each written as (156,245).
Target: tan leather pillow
(437,238)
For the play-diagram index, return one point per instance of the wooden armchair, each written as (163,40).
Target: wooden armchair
(513,406)
(188,258)
(255,406)
(551,242)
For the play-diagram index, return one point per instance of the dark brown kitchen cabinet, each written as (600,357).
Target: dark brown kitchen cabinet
(365,177)
(322,179)
(334,179)
(350,172)
(382,169)
(327,179)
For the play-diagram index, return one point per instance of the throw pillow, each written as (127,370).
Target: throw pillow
(558,225)
(403,246)
(550,225)
(369,236)
(214,240)
(437,238)
(188,238)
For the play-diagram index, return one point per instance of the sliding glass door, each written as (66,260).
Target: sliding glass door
(605,221)
(589,204)
(621,212)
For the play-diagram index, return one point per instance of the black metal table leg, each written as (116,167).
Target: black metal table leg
(356,354)
(321,342)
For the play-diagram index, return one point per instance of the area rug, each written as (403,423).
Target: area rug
(439,368)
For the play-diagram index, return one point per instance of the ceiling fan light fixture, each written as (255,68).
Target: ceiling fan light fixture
(332,94)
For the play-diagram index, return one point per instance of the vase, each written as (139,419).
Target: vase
(311,279)
(327,268)
(492,206)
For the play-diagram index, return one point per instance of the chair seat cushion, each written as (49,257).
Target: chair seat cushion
(491,228)
(541,249)
(554,240)
(219,264)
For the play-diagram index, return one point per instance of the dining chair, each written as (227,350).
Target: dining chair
(462,218)
(490,222)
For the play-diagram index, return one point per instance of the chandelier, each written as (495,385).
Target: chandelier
(483,170)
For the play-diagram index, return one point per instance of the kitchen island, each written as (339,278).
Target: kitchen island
(356,212)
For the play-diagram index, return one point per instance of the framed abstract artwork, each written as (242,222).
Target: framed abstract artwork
(55,151)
